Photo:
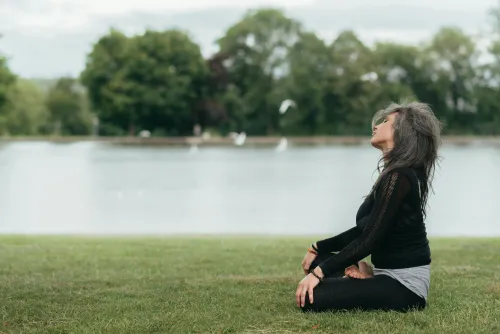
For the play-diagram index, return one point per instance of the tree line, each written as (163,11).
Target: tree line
(159,81)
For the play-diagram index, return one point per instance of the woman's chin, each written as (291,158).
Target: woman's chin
(376,143)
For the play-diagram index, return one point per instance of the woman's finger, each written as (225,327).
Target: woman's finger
(303,296)
(311,299)
(297,294)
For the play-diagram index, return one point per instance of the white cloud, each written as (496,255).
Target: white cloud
(119,7)
(52,37)
(54,19)
(75,14)
(40,15)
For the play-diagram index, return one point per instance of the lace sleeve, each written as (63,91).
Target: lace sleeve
(390,193)
(336,243)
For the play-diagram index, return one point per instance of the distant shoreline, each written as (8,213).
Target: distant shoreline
(225,141)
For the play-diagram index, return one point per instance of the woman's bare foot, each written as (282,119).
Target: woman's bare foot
(364,271)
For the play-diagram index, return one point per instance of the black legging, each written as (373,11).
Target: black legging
(376,293)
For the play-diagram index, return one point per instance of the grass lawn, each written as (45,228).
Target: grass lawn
(219,285)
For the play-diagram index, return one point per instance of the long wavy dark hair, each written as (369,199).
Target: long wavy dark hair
(417,137)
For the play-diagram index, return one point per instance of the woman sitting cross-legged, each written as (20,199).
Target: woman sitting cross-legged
(389,226)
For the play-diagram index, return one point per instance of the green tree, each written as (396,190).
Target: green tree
(159,81)
(399,71)
(256,59)
(68,108)
(165,76)
(102,77)
(351,86)
(454,65)
(310,63)
(25,112)
(151,81)
(7,80)
(488,86)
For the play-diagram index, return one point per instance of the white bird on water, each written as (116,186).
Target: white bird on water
(239,138)
(286,104)
(282,145)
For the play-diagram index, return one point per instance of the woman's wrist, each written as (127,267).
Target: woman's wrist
(319,272)
(315,247)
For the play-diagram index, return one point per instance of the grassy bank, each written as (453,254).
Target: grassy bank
(219,285)
(251,140)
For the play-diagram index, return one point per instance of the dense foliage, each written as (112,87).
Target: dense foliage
(160,81)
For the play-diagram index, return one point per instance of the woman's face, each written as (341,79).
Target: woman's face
(383,134)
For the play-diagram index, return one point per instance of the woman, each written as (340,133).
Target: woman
(389,225)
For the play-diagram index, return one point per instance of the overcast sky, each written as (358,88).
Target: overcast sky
(48,38)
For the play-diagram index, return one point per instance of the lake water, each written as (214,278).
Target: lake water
(98,188)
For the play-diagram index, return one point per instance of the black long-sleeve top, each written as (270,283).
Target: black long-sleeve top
(389,226)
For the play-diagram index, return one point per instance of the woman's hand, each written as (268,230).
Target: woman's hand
(306,262)
(307,285)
